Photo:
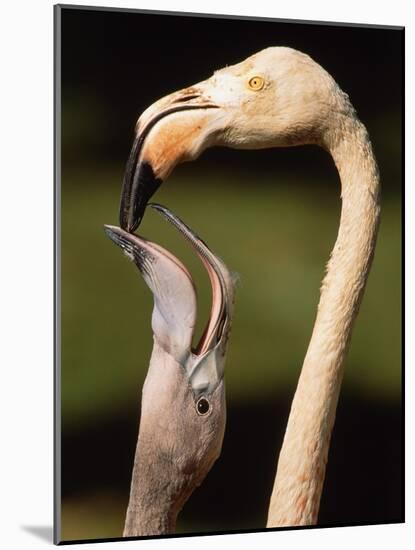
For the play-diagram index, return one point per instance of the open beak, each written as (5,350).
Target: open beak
(174,314)
(222,285)
(172,130)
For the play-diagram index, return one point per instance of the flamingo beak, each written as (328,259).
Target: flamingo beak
(168,132)
(174,313)
(221,280)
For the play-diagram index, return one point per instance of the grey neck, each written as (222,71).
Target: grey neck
(153,506)
(158,491)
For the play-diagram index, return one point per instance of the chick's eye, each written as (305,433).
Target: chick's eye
(256,83)
(202,406)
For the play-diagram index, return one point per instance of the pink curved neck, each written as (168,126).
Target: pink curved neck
(302,462)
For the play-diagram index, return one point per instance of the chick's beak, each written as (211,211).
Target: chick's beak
(172,130)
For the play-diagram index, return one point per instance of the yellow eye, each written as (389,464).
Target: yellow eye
(256,83)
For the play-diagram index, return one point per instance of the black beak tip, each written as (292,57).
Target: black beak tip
(135,195)
(130,223)
(131,227)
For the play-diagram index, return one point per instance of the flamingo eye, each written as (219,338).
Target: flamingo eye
(256,83)
(202,406)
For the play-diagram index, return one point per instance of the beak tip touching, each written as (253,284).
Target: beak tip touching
(137,191)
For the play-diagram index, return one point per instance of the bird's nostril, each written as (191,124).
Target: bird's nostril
(187,98)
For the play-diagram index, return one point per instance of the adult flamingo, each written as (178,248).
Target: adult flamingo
(276,98)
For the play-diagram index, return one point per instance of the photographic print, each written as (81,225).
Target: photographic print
(242,371)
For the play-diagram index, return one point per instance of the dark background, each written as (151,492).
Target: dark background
(114,64)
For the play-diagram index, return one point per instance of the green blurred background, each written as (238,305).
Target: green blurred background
(273,217)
